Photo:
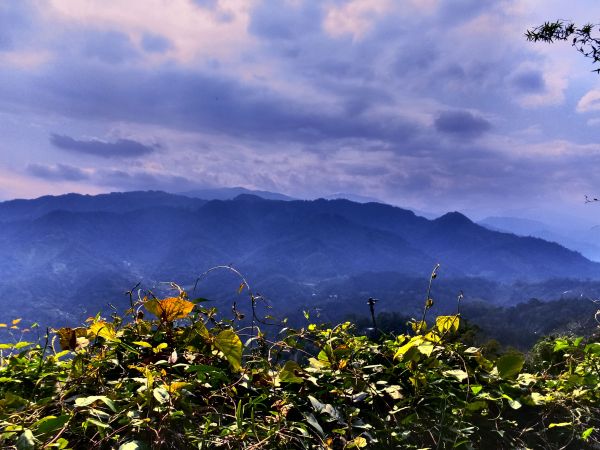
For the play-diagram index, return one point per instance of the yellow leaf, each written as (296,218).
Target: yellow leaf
(241,288)
(358,442)
(176,386)
(104,330)
(2,325)
(447,323)
(169,309)
(16,321)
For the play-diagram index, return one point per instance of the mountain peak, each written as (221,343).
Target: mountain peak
(249,198)
(454,218)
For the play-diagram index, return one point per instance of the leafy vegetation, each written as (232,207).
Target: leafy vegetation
(581,38)
(170,374)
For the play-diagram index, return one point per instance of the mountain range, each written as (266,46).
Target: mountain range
(67,256)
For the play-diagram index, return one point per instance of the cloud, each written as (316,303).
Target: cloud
(529,81)
(589,102)
(15,22)
(144,180)
(122,148)
(288,21)
(110,47)
(57,172)
(155,43)
(461,123)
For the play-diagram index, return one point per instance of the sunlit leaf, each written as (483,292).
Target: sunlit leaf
(357,442)
(560,424)
(87,401)
(176,386)
(446,324)
(459,374)
(104,330)
(161,395)
(16,321)
(587,433)
(169,309)
(230,344)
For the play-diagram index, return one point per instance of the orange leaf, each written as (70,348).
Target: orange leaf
(169,309)
(68,337)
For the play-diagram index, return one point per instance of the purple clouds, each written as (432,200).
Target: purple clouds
(378,98)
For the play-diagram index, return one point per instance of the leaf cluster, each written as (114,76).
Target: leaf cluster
(179,378)
(580,37)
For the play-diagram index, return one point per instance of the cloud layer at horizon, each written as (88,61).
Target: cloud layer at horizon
(436,104)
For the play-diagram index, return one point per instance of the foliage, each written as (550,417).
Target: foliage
(180,378)
(580,37)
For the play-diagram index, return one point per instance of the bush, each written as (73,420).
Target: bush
(179,378)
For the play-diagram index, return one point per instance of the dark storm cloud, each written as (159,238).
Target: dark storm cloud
(198,102)
(461,123)
(143,180)
(530,81)
(155,43)
(110,47)
(58,172)
(122,148)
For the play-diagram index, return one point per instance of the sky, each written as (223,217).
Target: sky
(437,105)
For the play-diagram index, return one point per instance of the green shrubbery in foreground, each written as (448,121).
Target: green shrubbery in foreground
(181,379)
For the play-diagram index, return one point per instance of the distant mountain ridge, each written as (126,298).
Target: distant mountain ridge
(584,241)
(233,192)
(63,250)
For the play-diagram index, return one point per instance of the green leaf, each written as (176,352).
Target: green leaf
(587,433)
(22,344)
(98,423)
(288,372)
(510,365)
(593,348)
(561,344)
(142,344)
(202,330)
(26,441)
(477,405)
(229,343)
(87,401)
(50,423)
